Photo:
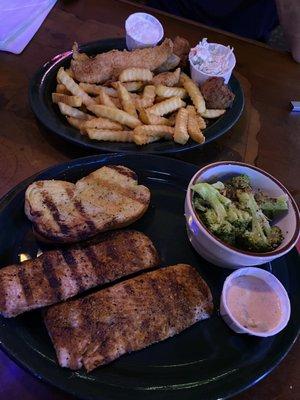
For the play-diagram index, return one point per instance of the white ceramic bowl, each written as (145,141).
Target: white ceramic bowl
(200,77)
(216,251)
(274,283)
(131,41)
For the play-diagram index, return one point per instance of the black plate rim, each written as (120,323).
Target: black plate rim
(43,115)
(237,388)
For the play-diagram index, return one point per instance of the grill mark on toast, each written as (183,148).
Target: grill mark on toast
(121,191)
(53,281)
(79,207)
(25,285)
(129,173)
(55,213)
(96,264)
(71,261)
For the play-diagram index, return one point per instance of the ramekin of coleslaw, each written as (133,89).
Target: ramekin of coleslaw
(211,59)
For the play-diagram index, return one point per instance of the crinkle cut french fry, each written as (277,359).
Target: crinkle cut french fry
(105,100)
(73,101)
(151,119)
(92,88)
(73,87)
(201,122)
(150,133)
(212,113)
(115,114)
(167,78)
(102,123)
(75,122)
(180,132)
(60,88)
(126,100)
(136,74)
(110,135)
(166,91)
(147,98)
(193,127)
(130,86)
(72,112)
(116,101)
(166,106)
(194,93)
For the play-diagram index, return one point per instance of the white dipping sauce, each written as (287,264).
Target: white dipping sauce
(144,31)
(253,303)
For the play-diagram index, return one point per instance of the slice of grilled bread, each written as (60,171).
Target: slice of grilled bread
(60,274)
(106,199)
(128,316)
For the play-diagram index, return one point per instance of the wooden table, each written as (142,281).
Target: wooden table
(267,135)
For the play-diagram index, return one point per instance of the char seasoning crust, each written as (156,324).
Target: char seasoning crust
(60,274)
(128,316)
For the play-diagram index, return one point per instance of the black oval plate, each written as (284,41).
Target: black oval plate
(207,361)
(43,84)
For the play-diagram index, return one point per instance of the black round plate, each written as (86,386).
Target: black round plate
(207,361)
(43,84)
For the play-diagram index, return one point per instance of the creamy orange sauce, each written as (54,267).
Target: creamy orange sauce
(253,303)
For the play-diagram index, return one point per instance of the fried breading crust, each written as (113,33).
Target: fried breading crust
(108,65)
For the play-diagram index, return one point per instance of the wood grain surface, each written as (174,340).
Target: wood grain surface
(267,134)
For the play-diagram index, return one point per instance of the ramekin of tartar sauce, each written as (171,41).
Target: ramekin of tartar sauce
(142,30)
(211,59)
(253,301)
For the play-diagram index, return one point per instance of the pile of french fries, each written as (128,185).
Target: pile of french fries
(137,108)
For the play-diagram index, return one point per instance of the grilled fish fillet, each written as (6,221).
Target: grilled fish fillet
(128,316)
(106,66)
(60,274)
(106,199)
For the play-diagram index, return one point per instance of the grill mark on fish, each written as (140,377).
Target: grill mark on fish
(122,171)
(96,264)
(164,305)
(71,261)
(55,213)
(53,281)
(25,285)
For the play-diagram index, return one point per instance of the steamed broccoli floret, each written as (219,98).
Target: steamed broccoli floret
(261,237)
(271,207)
(224,230)
(213,198)
(237,182)
(232,213)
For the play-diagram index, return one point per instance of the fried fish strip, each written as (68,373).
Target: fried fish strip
(108,65)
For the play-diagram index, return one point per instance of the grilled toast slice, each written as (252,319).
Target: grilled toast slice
(128,316)
(106,199)
(60,274)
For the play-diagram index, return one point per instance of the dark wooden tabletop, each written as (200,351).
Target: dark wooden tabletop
(268,134)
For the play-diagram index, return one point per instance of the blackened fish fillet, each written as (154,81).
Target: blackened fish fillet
(60,274)
(128,316)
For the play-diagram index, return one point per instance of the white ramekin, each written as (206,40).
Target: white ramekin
(274,283)
(200,77)
(218,252)
(133,43)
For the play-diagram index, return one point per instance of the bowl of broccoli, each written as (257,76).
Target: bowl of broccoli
(238,215)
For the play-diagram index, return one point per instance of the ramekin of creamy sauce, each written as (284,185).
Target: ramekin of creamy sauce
(211,59)
(254,301)
(142,30)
